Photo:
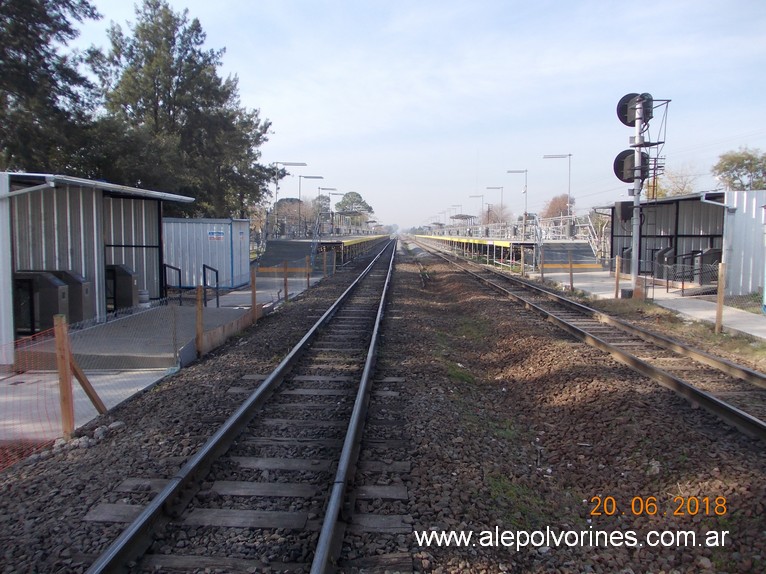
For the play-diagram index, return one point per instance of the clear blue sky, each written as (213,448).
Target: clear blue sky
(418,105)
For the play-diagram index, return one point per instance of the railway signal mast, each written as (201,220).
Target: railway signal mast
(633,166)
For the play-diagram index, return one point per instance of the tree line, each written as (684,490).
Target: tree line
(150,111)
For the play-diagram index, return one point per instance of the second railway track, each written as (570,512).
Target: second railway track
(281,474)
(734,393)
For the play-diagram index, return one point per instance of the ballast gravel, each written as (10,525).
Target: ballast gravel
(513,427)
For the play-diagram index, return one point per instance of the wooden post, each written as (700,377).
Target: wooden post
(308,272)
(542,264)
(63,362)
(571,276)
(720,298)
(617,269)
(523,263)
(200,325)
(334,261)
(253,295)
(287,284)
(324,263)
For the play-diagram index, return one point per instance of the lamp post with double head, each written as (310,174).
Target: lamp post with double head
(481,211)
(301,177)
(332,213)
(276,184)
(524,221)
(500,187)
(319,192)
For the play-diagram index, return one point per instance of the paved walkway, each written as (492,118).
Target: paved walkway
(120,358)
(601,285)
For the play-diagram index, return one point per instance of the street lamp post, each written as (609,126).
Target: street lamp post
(276,184)
(301,177)
(524,221)
(567,156)
(319,192)
(500,187)
(332,213)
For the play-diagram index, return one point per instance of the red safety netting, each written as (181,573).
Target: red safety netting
(30,417)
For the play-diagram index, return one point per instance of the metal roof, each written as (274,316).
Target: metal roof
(50,180)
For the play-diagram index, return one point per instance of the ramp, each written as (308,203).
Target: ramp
(557,255)
(280,250)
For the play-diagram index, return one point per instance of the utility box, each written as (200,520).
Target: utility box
(665,259)
(121,287)
(37,297)
(711,256)
(82,306)
(223,244)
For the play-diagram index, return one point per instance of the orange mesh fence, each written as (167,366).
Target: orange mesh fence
(118,358)
(30,418)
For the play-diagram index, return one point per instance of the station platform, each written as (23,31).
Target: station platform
(555,254)
(601,285)
(345,246)
(120,358)
(133,352)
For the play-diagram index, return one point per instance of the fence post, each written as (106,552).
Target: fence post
(308,272)
(720,298)
(199,326)
(571,276)
(617,270)
(63,362)
(286,280)
(324,263)
(253,295)
(542,264)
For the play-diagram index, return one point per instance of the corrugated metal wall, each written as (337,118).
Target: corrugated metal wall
(688,225)
(223,244)
(60,229)
(745,242)
(132,238)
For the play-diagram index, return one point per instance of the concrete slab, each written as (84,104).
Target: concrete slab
(601,285)
(120,358)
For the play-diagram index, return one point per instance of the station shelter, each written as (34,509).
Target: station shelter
(101,241)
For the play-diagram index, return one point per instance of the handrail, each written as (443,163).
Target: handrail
(205,269)
(180,291)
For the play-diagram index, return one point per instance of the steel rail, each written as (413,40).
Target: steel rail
(348,458)
(133,542)
(733,416)
(719,363)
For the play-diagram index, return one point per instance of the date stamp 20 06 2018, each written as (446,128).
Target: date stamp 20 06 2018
(654,506)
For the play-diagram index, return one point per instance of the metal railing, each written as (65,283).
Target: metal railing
(180,290)
(205,269)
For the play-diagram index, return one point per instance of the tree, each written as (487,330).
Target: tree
(45,102)
(671,183)
(741,170)
(352,201)
(164,88)
(557,206)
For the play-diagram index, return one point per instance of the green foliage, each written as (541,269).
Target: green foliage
(164,88)
(44,100)
(352,201)
(160,116)
(742,169)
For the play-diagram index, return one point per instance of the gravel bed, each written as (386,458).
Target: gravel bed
(509,423)
(515,425)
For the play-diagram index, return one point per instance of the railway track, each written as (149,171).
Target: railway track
(734,393)
(268,490)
